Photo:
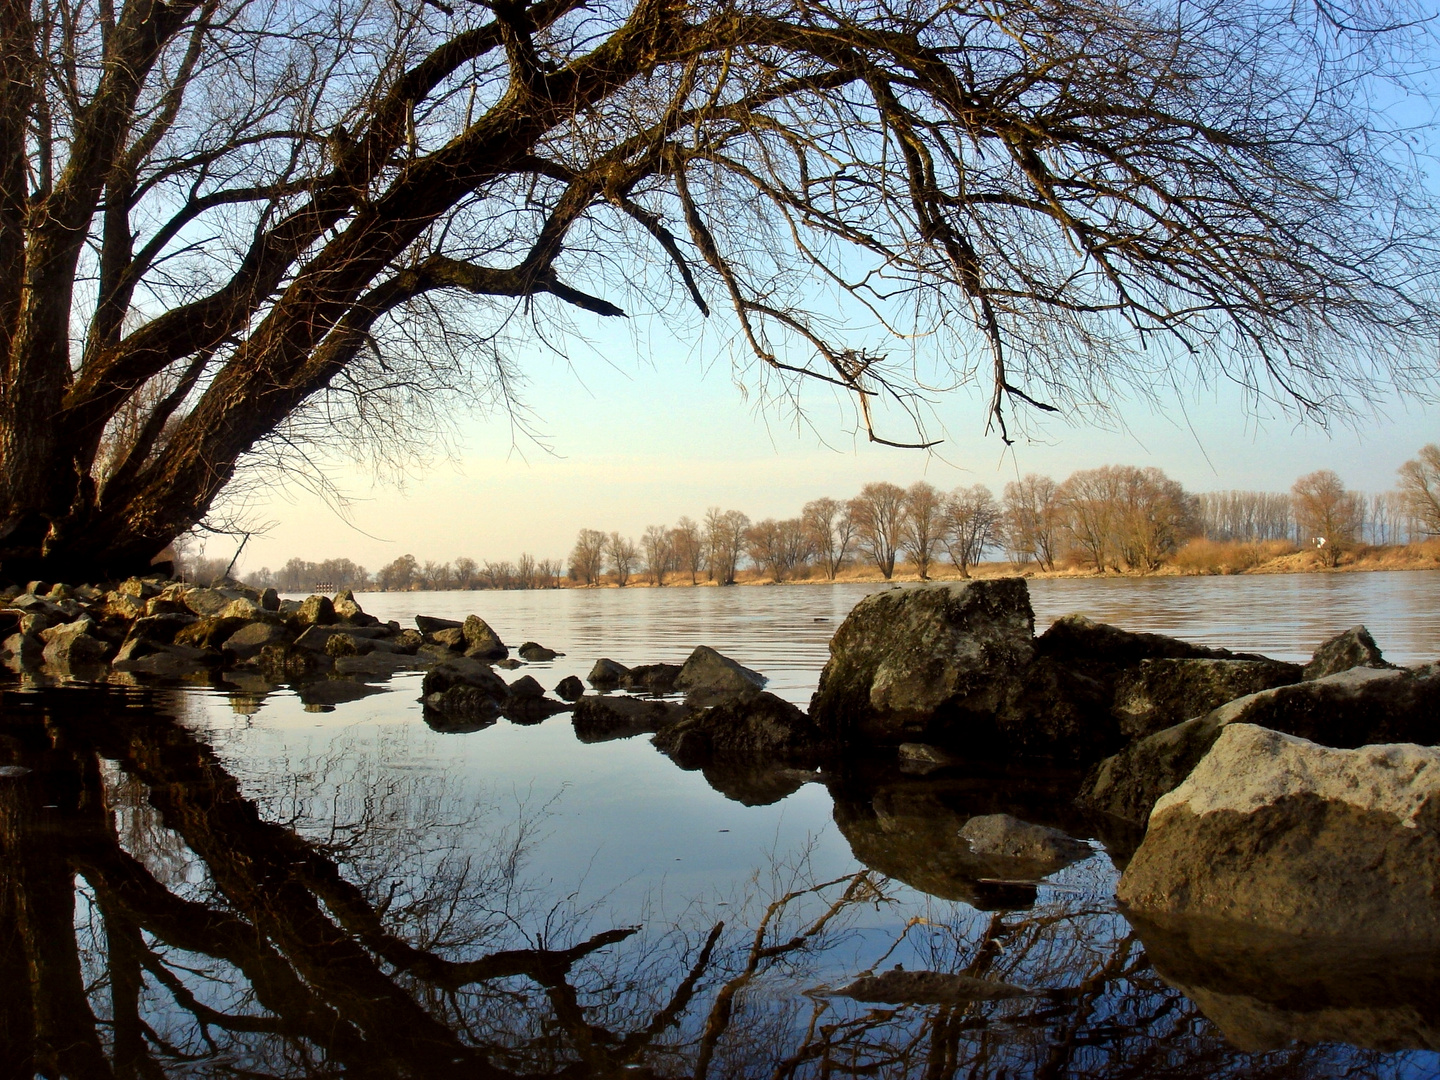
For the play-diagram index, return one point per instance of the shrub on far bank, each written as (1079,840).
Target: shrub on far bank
(1201,556)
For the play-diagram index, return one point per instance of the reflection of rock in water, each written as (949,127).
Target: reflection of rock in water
(910,830)
(755,785)
(1265,990)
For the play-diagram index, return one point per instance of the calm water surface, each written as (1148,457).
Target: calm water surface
(232,882)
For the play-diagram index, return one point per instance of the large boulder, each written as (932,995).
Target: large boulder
(348,611)
(315,610)
(428,624)
(1354,648)
(756,727)
(481,641)
(209,631)
(73,645)
(464,689)
(607,674)
(907,663)
(1352,708)
(247,642)
(1078,638)
(1274,832)
(1160,693)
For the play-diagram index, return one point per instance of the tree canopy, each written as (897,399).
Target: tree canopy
(233,229)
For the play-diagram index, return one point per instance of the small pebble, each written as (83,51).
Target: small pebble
(10,771)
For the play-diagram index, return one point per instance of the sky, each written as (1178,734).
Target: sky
(640,428)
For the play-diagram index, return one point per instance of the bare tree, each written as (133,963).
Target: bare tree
(466,572)
(971,523)
(1090,500)
(687,541)
(922,525)
(1153,517)
(1329,517)
(831,530)
(277,230)
(1245,515)
(879,516)
(658,552)
(587,559)
(1420,487)
(525,572)
(398,576)
(623,556)
(725,542)
(778,547)
(1032,520)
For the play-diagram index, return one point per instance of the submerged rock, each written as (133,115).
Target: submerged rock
(757,728)
(570,688)
(1349,709)
(602,719)
(536,653)
(1028,851)
(607,674)
(1275,832)
(900,987)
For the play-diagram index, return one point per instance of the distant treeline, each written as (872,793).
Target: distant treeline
(1117,517)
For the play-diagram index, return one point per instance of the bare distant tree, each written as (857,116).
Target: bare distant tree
(1154,516)
(1420,488)
(831,530)
(1329,517)
(1090,500)
(725,542)
(623,556)
(466,572)
(525,572)
(1245,515)
(270,230)
(922,525)
(398,576)
(879,516)
(498,574)
(687,542)
(971,524)
(659,555)
(587,559)
(778,547)
(1032,520)
(548,573)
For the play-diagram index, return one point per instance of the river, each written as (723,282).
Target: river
(271,887)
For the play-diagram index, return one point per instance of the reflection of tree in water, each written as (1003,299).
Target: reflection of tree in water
(154,921)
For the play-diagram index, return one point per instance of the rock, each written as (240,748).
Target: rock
(707,672)
(755,783)
(372,664)
(73,645)
(167,605)
(118,605)
(900,987)
(920,759)
(1074,637)
(1273,832)
(452,638)
(247,642)
(35,605)
(409,641)
(205,602)
(464,672)
(482,641)
(759,727)
(249,610)
(570,688)
(601,719)
(482,653)
(1354,648)
(429,655)
(536,653)
(1029,851)
(325,694)
(139,588)
(22,651)
(315,611)
(652,678)
(607,674)
(429,625)
(1160,693)
(1268,991)
(270,600)
(159,628)
(280,662)
(906,661)
(340,644)
(133,648)
(209,632)
(347,611)
(167,663)
(526,686)
(1348,709)
(1054,711)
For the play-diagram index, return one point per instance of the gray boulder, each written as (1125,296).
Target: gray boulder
(452,637)
(205,602)
(1352,708)
(73,645)
(908,661)
(247,642)
(315,610)
(1077,638)
(757,727)
(22,651)
(1274,832)
(482,641)
(347,611)
(707,672)
(429,624)
(1160,693)
(464,688)
(1354,648)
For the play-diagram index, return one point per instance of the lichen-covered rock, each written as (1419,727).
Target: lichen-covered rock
(247,642)
(482,641)
(1160,693)
(315,611)
(707,672)
(73,645)
(1275,832)
(348,611)
(341,644)
(1354,648)
(209,632)
(452,637)
(1352,708)
(908,661)
(205,602)
(756,727)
